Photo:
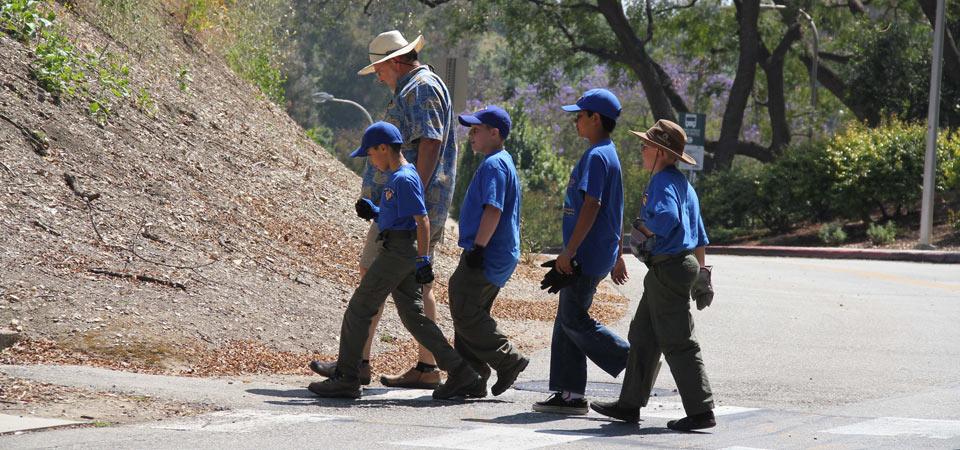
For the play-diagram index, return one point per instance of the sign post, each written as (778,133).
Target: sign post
(695,125)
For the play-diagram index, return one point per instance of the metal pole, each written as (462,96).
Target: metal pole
(933,121)
(813,72)
(350,102)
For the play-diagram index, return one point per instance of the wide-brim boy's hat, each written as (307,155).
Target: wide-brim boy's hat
(388,45)
(668,136)
(376,134)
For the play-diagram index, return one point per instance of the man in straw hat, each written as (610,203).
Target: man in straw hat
(592,222)
(670,219)
(421,110)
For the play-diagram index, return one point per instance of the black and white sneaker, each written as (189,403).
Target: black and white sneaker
(557,405)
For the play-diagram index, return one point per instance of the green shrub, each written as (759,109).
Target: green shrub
(882,168)
(58,68)
(953,218)
(882,234)
(728,198)
(832,234)
(23,20)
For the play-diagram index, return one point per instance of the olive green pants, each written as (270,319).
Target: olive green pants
(663,324)
(392,272)
(477,337)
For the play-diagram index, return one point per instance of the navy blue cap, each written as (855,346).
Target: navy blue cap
(599,101)
(493,116)
(376,134)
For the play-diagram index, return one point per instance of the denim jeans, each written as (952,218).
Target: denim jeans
(577,336)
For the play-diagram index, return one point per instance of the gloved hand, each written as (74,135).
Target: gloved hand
(424,273)
(366,209)
(474,257)
(641,245)
(702,291)
(554,281)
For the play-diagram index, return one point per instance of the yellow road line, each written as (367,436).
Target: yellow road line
(952,287)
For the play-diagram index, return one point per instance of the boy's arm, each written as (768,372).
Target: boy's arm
(588,215)
(701,254)
(423,235)
(488,224)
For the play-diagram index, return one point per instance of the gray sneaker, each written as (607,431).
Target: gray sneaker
(557,405)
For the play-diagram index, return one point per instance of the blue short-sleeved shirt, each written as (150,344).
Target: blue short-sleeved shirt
(401,199)
(598,175)
(671,210)
(496,184)
(421,108)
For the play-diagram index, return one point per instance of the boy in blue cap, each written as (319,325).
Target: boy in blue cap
(490,238)
(592,222)
(400,269)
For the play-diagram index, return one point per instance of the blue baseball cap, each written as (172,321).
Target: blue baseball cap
(599,101)
(376,134)
(493,116)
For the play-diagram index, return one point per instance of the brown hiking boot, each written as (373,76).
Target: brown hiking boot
(329,368)
(336,387)
(413,379)
(506,377)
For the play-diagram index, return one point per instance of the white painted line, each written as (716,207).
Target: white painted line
(898,426)
(742,448)
(495,438)
(671,410)
(243,421)
(10,424)
(397,394)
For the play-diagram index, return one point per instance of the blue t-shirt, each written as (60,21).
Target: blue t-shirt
(598,175)
(401,199)
(496,184)
(421,109)
(671,210)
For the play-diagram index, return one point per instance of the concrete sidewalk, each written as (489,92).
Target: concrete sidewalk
(926,256)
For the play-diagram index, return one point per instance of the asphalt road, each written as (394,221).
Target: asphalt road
(801,353)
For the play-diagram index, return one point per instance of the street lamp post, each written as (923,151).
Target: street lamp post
(323,97)
(933,121)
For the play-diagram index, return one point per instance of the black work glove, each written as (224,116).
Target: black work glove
(424,273)
(702,291)
(640,244)
(554,281)
(366,209)
(474,257)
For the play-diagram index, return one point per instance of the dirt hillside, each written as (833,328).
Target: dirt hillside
(191,235)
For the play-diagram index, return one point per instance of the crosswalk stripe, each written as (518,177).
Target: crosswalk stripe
(244,421)
(495,438)
(897,426)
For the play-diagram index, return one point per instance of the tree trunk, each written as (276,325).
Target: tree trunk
(838,88)
(723,150)
(951,54)
(772,64)
(638,59)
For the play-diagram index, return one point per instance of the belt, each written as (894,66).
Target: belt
(660,259)
(400,234)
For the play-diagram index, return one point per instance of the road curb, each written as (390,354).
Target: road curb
(926,256)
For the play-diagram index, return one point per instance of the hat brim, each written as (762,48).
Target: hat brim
(468,120)
(417,45)
(571,108)
(359,152)
(683,156)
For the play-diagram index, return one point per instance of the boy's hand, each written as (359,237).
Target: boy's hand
(366,209)
(474,257)
(424,273)
(619,273)
(554,281)
(564,264)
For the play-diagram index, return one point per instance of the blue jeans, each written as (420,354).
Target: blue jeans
(577,336)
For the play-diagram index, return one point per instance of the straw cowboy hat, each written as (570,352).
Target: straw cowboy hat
(668,136)
(389,45)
